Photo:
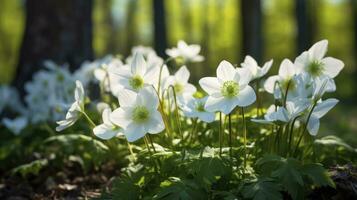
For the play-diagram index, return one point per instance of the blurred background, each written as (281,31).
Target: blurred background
(72,31)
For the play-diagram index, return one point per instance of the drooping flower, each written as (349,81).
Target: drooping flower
(195,108)
(252,65)
(278,84)
(107,129)
(229,89)
(75,110)
(315,64)
(15,125)
(190,53)
(137,76)
(182,87)
(318,112)
(138,114)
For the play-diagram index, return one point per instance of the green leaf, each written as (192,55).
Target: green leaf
(125,188)
(33,168)
(318,174)
(262,189)
(332,140)
(177,189)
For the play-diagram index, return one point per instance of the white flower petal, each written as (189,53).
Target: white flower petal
(214,104)
(318,50)
(79,92)
(104,132)
(270,83)
(287,69)
(206,116)
(134,132)
(210,85)
(138,65)
(244,76)
(182,74)
(147,97)
(225,71)
(156,124)
(106,116)
(332,66)
(313,125)
(127,98)
(246,97)
(322,108)
(121,117)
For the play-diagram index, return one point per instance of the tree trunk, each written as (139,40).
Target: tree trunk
(55,30)
(304,24)
(252,40)
(159,27)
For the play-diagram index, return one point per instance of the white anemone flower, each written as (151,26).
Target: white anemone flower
(182,87)
(15,125)
(315,64)
(252,65)
(195,108)
(274,84)
(229,89)
(319,111)
(137,76)
(138,114)
(107,129)
(75,109)
(189,53)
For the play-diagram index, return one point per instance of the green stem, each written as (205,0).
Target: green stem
(150,153)
(131,150)
(89,119)
(244,141)
(291,134)
(176,113)
(230,135)
(220,134)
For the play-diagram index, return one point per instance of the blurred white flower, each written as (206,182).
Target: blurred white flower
(137,114)
(15,125)
(75,110)
(137,76)
(252,65)
(182,87)
(315,64)
(195,108)
(107,129)
(229,89)
(190,53)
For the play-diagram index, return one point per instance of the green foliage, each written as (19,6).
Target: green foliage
(293,175)
(262,189)
(32,168)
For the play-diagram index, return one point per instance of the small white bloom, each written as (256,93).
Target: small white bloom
(229,89)
(252,65)
(195,108)
(138,114)
(137,76)
(75,110)
(179,81)
(107,129)
(15,125)
(315,64)
(189,53)
(283,80)
(101,106)
(319,111)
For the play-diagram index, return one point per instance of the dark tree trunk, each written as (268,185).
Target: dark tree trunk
(55,30)
(252,39)
(159,27)
(353,4)
(304,22)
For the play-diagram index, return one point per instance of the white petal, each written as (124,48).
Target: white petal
(322,108)
(189,89)
(270,84)
(134,132)
(138,65)
(106,116)
(210,85)
(332,66)
(147,97)
(182,75)
(287,69)
(121,117)
(244,76)
(266,68)
(104,132)
(65,124)
(318,50)
(214,104)
(313,125)
(127,98)
(225,71)
(246,97)
(206,117)
(156,124)
(79,92)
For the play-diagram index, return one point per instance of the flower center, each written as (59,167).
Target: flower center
(200,107)
(178,88)
(140,114)
(315,68)
(136,82)
(230,89)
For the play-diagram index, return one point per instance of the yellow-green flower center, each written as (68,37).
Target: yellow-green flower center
(200,107)
(315,68)
(178,88)
(136,82)
(230,89)
(140,114)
